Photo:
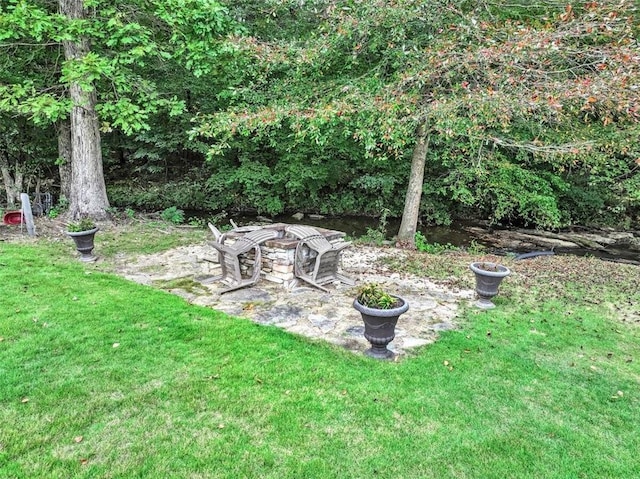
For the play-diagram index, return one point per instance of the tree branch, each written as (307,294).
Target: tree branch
(547,149)
(24,44)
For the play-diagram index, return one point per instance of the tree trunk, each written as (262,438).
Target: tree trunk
(410,215)
(12,182)
(88,192)
(64,158)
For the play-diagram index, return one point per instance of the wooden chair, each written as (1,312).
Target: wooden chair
(217,234)
(229,257)
(316,258)
(221,237)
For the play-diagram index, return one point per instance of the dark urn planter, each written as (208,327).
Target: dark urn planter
(380,327)
(488,278)
(84,243)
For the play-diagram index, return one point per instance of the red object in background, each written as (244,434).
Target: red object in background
(12,218)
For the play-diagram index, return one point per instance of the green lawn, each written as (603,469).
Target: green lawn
(101,377)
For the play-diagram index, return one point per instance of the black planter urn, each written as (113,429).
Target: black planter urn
(84,243)
(488,279)
(380,327)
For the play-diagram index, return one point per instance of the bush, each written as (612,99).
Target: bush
(173,215)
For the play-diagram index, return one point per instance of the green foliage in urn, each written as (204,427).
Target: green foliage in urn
(372,295)
(85,224)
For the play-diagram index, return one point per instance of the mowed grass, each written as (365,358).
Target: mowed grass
(101,377)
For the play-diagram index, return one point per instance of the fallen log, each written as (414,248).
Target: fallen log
(571,238)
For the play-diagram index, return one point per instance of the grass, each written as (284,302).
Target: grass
(101,377)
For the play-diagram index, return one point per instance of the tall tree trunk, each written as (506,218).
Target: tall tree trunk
(88,192)
(410,215)
(64,158)
(12,181)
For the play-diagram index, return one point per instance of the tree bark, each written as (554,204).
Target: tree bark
(12,181)
(88,192)
(411,213)
(64,158)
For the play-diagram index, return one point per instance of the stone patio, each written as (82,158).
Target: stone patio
(304,310)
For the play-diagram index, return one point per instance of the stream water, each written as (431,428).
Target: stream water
(459,234)
(357,226)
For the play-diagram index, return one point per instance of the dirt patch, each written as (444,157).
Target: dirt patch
(45,228)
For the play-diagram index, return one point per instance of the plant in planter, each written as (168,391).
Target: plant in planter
(380,312)
(488,278)
(82,232)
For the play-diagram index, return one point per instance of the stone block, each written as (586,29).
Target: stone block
(281,276)
(273,279)
(282,268)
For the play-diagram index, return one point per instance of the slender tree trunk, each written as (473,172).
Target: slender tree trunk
(88,192)
(410,215)
(12,181)
(64,158)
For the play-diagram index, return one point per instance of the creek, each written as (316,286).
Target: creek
(620,246)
